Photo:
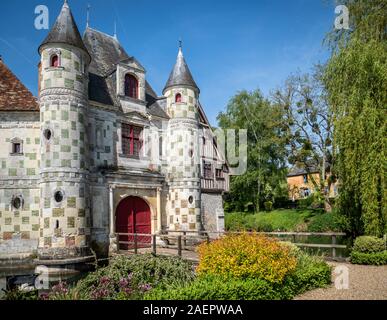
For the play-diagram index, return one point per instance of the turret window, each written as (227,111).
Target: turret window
(178,98)
(131,86)
(54,62)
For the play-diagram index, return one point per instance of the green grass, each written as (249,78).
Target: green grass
(283,220)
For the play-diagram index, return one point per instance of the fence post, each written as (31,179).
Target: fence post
(208,238)
(135,243)
(185,239)
(333,248)
(118,242)
(154,244)
(179,246)
(294,238)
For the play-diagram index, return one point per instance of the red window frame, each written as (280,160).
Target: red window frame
(178,98)
(131,140)
(131,86)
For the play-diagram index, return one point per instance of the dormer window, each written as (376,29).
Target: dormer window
(178,98)
(131,86)
(54,62)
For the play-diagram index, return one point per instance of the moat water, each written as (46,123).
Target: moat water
(19,276)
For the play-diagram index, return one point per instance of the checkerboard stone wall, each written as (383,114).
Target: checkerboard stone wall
(19,176)
(183,165)
(70,74)
(64,225)
(20,223)
(184,109)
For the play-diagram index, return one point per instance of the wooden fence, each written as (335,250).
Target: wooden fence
(182,240)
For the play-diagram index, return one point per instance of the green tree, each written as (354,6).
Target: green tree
(308,127)
(356,80)
(265,176)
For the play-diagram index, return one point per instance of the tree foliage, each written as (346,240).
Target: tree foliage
(307,123)
(356,80)
(265,176)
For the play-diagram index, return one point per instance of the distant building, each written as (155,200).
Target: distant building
(302,184)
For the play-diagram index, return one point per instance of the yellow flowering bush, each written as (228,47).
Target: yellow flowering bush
(246,256)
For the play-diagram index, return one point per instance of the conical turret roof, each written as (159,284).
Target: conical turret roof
(180,75)
(65,30)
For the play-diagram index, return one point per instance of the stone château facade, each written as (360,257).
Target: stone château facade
(99,152)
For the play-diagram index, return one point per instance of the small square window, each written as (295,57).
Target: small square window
(16,148)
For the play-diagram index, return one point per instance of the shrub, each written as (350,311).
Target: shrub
(216,288)
(235,221)
(375,258)
(17,294)
(268,205)
(305,203)
(368,244)
(128,278)
(314,201)
(311,272)
(246,256)
(324,222)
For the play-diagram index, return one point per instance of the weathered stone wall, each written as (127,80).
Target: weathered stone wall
(102,135)
(212,212)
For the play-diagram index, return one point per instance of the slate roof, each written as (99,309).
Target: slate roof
(65,30)
(106,52)
(296,171)
(14,96)
(180,75)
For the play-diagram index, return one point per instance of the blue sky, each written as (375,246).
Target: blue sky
(230,45)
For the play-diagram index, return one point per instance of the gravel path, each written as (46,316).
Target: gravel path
(365,283)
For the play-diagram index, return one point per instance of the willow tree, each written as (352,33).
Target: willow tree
(356,80)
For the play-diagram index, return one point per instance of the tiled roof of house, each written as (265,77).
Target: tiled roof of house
(14,96)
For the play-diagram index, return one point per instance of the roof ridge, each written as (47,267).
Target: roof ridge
(101,32)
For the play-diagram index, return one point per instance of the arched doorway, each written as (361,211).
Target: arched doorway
(133,215)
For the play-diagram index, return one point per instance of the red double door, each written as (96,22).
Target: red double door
(133,215)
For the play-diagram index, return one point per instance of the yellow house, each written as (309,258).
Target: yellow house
(302,184)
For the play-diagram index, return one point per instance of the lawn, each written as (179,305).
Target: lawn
(297,220)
